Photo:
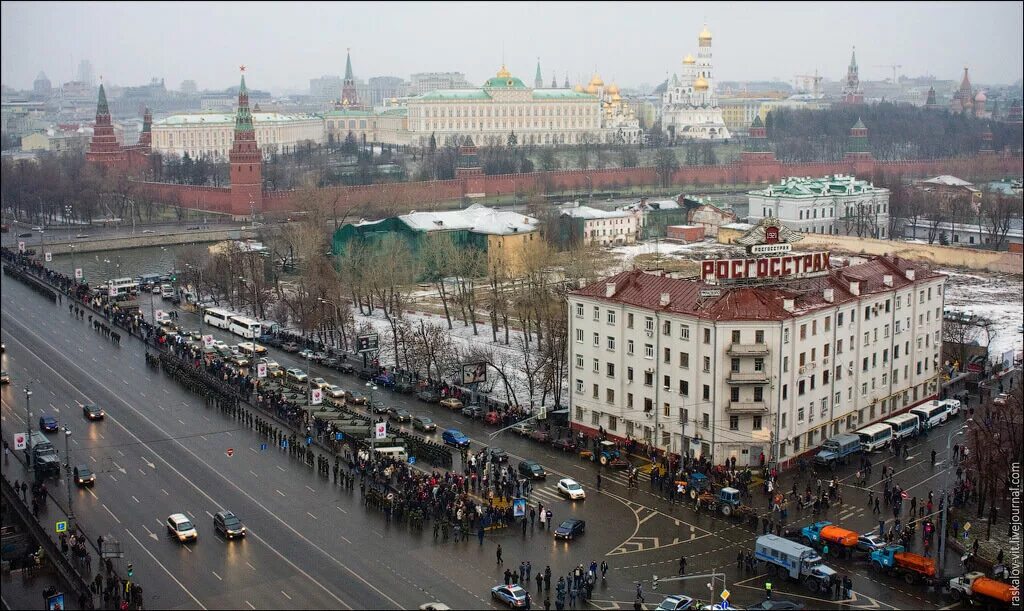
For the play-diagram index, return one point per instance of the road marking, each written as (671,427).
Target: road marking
(101,435)
(209,514)
(165,492)
(142,472)
(312,516)
(135,499)
(125,382)
(253,474)
(281,468)
(142,394)
(341,510)
(345,540)
(279,492)
(110,512)
(250,566)
(89,490)
(253,450)
(181,421)
(286,595)
(169,574)
(92,458)
(216,575)
(166,392)
(112,477)
(378,534)
(122,455)
(310,489)
(250,605)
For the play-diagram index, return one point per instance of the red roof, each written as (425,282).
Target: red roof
(643,290)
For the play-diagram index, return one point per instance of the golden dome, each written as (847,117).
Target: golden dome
(592,88)
(578,88)
(612,89)
(596,81)
(704,34)
(616,97)
(700,84)
(689,59)
(504,73)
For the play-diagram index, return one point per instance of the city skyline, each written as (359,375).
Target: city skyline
(943,44)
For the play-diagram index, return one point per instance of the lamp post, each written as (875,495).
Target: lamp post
(334,312)
(67,478)
(945,501)
(373,440)
(199,298)
(28,434)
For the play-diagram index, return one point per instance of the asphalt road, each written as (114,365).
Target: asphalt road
(313,545)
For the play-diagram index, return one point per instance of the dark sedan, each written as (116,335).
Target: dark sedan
(570,529)
(92,412)
(48,424)
(400,415)
(430,396)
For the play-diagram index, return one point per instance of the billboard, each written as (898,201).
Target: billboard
(782,267)
(473,373)
(367,343)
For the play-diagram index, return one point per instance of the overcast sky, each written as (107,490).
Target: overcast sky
(286,44)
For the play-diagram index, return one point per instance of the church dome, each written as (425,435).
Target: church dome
(689,59)
(578,88)
(700,84)
(596,81)
(503,73)
(704,35)
(616,97)
(981,97)
(612,89)
(592,88)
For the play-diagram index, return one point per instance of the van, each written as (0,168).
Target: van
(904,425)
(952,406)
(875,436)
(837,449)
(396,452)
(931,414)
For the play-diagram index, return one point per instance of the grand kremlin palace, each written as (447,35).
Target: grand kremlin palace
(212,133)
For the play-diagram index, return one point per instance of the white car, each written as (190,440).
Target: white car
(333,391)
(179,525)
(320,383)
(219,345)
(952,406)
(571,489)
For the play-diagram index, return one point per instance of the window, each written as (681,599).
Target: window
(785,391)
(814,327)
(801,387)
(648,378)
(613,423)
(735,337)
(705,421)
(759,364)
(785,364)
(684,388)
(629,400)
(684,360)
(757,423)
(734,393)
(864,389)
(629,374)
(864,367)
(734,423)
(609,395)
(610,369)
(667,382)
(597,339)
(579,310)
(629,346)
(666,327)
(706,393)
(824,376)
(611,317)
(839,319)
(839,346)
(649,351)
(734,365)
(579,336)
(803,359)
(648,404)
(629,321)
(595,418)
(579,361)
(867,339)
(785,336)
(707,364)
(707,336)
(828,324)
(611,342)
(667,355)
(800,414)
(684,332)
(867,313)
(596,390)
(825,350)
(759,393)
(597,313)
(803,331)
(666,410)
(759,336)
(649,323)
(579,386)
(814,352)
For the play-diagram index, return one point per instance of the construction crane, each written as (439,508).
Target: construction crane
(815,81)
(893,66)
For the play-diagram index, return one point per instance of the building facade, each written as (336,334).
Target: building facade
(838,204)
(583,225)
(773,367)
(389,126)
(423,82)
(212,134)
(689,105)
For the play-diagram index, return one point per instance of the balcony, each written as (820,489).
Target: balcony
(748,349)
(748,377)
(747,407)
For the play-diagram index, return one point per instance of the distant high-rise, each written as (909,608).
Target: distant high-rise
(422,82)
(383,88)
(41,87)
(85,73)
(325,88)
(189,87)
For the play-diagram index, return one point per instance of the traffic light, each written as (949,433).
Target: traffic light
(654,585)
(131,570)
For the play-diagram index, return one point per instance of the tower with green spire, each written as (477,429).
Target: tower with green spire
(246,160)
(859,148)
(103,148)
(349,95)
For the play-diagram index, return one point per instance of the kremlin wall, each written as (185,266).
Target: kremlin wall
(757,164)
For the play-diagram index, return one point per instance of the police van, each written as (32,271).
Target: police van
(875,436)
(904,425)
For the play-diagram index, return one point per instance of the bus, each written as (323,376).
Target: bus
(904,425)
(249,328)
(216,317)
(932,414)
(875,436)
(121,286)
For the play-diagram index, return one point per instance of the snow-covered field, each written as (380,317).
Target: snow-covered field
(669,250)
(998,297)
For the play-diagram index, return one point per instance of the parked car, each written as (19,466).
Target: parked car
(92,412)
(430,396)
(531,469)
(228,525)
(290,347)
(513,596)
(297,375)
(455,437)
(345,367)
(320,383)
(570,529)
(305,353)
(473,411)
(357,397)
(541,436)
(523,429)
(422,423)
(571,489)
(330,362)
(565,444)
(451,403)
(181,527)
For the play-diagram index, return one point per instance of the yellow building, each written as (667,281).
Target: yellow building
(389,126)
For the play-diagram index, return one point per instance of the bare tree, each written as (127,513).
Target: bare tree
(997,213)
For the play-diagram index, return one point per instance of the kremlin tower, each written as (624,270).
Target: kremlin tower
(349,95)
(246,160)
(852,93)
(104,149)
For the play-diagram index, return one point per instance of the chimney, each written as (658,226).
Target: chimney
(855,287)
(829,295)
(643,201)
(665,299)
(887,280)
(609,289)
(910,274)
(788,305)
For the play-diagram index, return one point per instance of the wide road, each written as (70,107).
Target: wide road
(312,544)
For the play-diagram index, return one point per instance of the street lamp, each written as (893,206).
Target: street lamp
(945,501)
(28,434)
(373,440)
(67,477)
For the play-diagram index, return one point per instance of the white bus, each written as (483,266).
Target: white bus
(875,436)
(121,286)
(216,317)
(249,328)
(904,425)
(932,414)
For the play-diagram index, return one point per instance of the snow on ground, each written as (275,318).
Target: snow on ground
(997,297)
(669,250)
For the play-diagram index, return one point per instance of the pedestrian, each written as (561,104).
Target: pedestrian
(498,554)
(480,534)
(548,513)
(768,590)
(933,457)
(682,565)
(540,581)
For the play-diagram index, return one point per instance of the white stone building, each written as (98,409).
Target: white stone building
(213,133)
(723,371)
(591,226)
(689,107)
(838,204)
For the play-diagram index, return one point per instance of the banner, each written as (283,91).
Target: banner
(208,341)
(21,247)
(380,430)
(473,373)
(48,256)
(20,442)
(78,273)
(518,508)
(316,396)
(261,370)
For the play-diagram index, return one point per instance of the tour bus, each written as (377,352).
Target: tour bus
(249,328)
(216,317)
(904,425)
(875,436)
(932,414)
(121,286)
(147,281)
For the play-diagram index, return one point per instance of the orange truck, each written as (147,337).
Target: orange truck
(841,540)
(980,590)
(895,560)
